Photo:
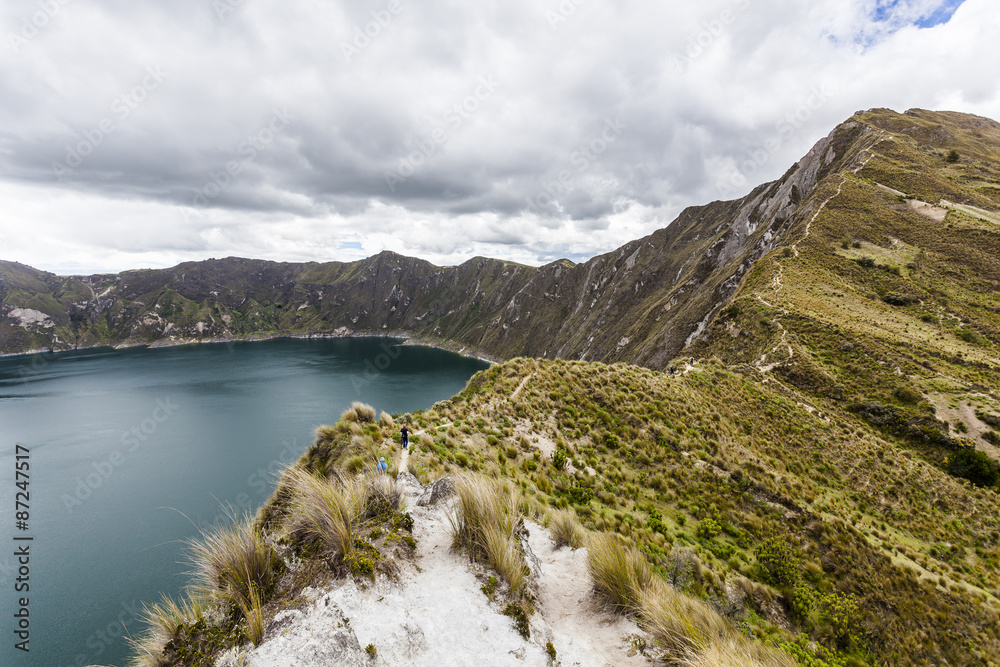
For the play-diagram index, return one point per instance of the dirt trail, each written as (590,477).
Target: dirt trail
(433,613)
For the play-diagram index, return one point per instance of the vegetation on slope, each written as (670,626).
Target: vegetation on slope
(800,527)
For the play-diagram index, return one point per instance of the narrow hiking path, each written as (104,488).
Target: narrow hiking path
(429,610)
(404,456)
(778,283)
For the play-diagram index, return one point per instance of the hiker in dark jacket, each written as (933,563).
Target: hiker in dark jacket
(404,437)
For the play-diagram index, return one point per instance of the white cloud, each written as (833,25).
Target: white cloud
(494,117)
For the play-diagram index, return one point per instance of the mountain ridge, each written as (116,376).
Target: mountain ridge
(482,304)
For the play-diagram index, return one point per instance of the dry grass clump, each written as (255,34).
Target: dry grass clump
(682,626)
(360,413)
(566,529)
(486,521)
(234,563)
(326,434)
(735,651)
(688,631)
(253,611)
(620,575)
(233,567)
(163,620)
(384,488)
(325,509)
(504,555)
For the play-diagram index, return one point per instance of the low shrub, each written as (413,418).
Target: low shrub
(779,564)
(975,466)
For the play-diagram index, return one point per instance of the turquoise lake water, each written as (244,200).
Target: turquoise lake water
(131,451)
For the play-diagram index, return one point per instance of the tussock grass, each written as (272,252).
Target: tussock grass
(688,631)
(504,555)
(682,626)
(253,612)
(737,652)
(360,413)
(325,434)
(234,563)
(620,574)
(566,529)
(325,509)
(385,488)
(163,620)
(486,521)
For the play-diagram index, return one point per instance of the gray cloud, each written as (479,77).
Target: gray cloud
(524,130)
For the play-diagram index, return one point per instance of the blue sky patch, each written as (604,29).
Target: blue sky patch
(941,15)
(898,13)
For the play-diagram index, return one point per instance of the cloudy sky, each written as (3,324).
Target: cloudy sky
(141,134)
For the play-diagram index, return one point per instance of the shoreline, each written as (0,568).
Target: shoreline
(404,337)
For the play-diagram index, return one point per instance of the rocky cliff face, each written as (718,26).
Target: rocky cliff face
(642,303)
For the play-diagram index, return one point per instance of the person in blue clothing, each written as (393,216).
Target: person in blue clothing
(382,467)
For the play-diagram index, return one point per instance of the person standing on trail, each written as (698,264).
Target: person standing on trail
(404,437)
(382,467)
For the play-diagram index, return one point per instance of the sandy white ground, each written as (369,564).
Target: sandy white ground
(435,613)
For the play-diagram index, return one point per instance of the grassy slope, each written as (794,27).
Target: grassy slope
(917,330)
(915,547)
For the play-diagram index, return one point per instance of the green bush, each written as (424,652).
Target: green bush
(895,299)
(778,562)
(991,419)
(975,466)
(655,523)
(843,615)
(559,459)
(708,528)
(907,394)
